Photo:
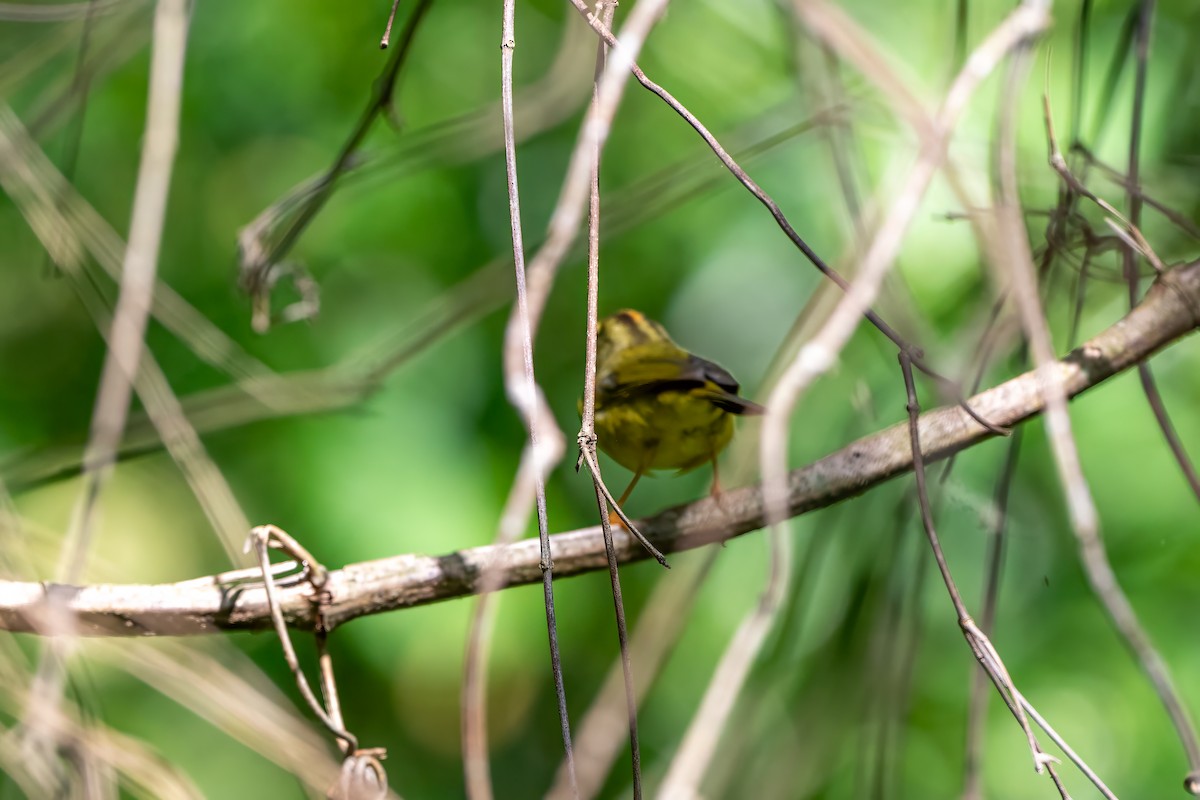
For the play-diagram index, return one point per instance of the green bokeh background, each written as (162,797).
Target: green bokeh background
(425,463)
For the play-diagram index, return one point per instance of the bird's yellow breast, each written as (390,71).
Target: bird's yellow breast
(670,430)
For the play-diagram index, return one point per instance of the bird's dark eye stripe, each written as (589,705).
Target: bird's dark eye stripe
(631,318)
(635,324)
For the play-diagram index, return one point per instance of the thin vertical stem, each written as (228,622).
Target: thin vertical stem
(587,430)
(528,402)
(983,649)
(137,275)
(126,346)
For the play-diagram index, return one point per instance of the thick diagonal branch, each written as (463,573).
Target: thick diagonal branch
(1170,311)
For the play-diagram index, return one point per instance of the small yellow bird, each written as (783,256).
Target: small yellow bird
(657,405)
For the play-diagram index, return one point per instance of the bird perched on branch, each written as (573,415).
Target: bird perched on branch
(657,405)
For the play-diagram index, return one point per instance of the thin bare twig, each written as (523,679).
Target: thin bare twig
(522,388)
(587,428)
(362,776)
(1087,771)
(138,272)
(329,692)
(978,641)
(568,210)
(977,707)
(813,359)
(261,538)
(125,347)
(465,138)
(545,439)
(769,203)
(631,700)
(261,247)
(1171,215)
(387,31)
(587,456)
(1124,227)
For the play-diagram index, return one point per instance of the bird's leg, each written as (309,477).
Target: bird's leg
(643,465)
(629,489)
(716,493)
(613,517)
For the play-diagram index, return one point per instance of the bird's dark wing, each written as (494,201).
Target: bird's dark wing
(688,373)
(721,389)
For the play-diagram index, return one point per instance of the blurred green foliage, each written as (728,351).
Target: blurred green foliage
(425,463)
